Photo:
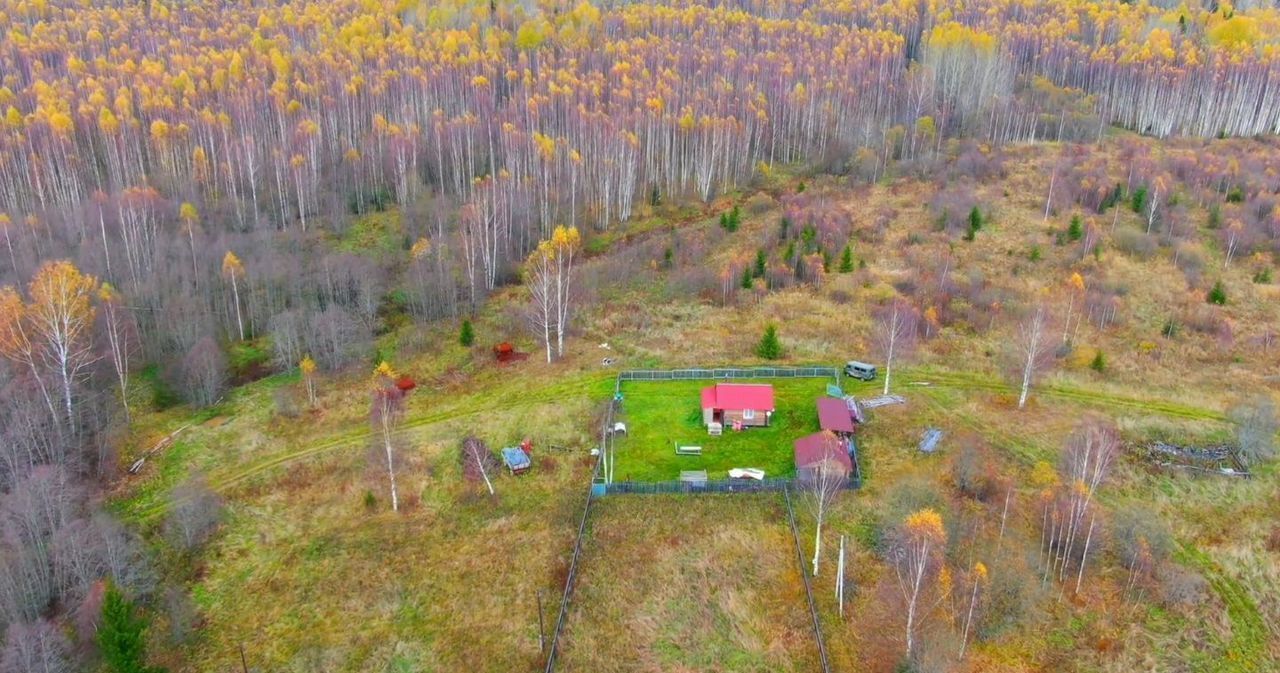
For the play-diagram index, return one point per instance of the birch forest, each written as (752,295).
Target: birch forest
(184,184)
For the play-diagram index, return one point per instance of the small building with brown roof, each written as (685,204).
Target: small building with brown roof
(812,451)
(834,416)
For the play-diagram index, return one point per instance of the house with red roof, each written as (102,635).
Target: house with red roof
(747,404)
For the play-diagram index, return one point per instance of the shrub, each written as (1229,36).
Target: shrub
(971,470)
(466,335)
(1262,277)
(1181,587)
(1217,295)
(1236,195)
(369,500)
(1099,363)
(1034,255)
(1134,243)
(286,402)
(1170,328)
(769,347)
(761,262)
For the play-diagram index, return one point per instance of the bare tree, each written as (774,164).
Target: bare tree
(477,461)
(120,330)
(895,334)
(386,412)
(542,292)
(978,580)
(194,513)
(916,554)
(1086,462)
(1033,348)
(204,372)
(39,647)
(1255,421)
(822,481)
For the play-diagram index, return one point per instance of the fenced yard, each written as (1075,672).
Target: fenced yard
(664,413)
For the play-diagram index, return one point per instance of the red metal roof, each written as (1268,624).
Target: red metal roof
(813,449)
(738,396)
(833,415)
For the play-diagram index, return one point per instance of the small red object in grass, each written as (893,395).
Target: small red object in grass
(405,384)
(527,446)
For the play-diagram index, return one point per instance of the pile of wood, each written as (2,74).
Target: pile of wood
(1219,459)
(161,445)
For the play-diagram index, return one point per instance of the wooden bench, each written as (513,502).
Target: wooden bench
(688,450)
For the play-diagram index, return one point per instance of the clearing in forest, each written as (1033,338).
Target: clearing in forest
(661,415)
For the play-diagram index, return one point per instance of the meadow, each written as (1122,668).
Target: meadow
(689,583)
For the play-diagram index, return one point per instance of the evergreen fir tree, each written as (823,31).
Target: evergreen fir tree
(769,347)
(1075,230)
(846,259)
(467,335)
(1218,295)
(121,635)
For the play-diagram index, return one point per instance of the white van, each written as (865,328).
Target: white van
(860,370)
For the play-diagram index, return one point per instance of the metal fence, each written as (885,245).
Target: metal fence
(808,587)
(728,373)
(712,486)
(568,581)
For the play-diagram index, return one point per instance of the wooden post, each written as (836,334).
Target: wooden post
(244,664)
(542,637)
(840,579)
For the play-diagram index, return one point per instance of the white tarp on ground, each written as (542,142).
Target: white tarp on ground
(882,401)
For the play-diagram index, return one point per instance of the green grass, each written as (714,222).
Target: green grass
(374,233)
(660,414)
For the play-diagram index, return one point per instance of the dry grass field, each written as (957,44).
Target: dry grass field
(689,583)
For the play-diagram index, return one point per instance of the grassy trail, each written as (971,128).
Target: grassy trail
(1246,650)
(975,381)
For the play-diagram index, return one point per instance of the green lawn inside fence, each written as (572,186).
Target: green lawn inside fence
(661,414)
